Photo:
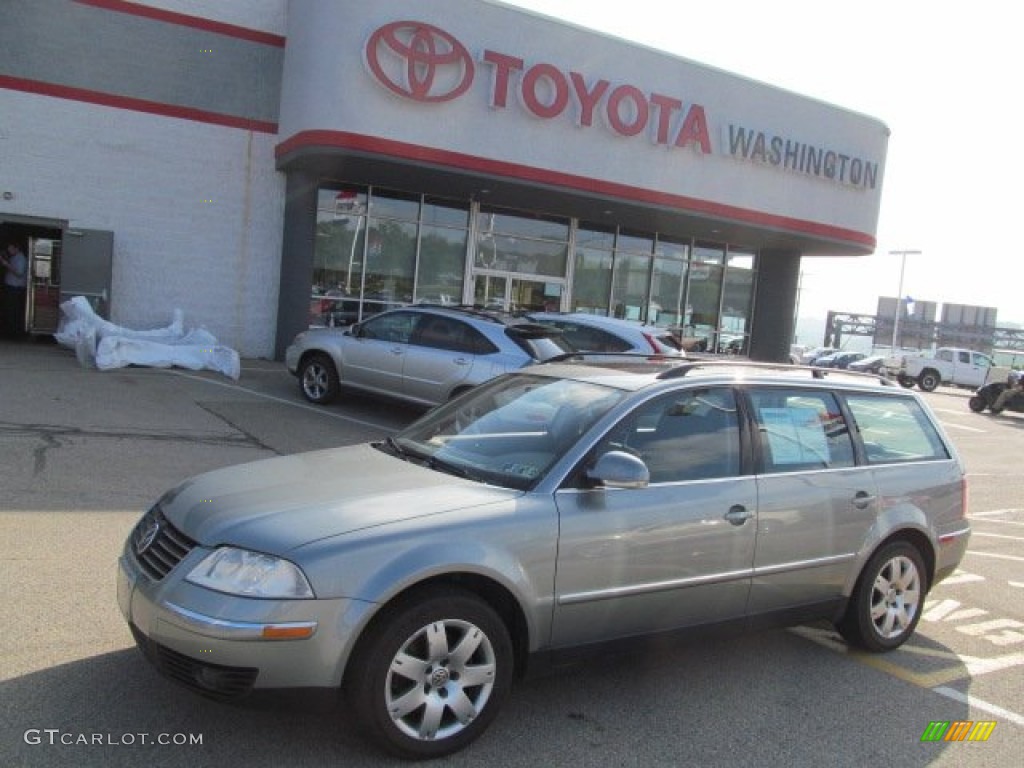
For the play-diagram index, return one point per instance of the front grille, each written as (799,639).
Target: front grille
(214,681)
(158,545)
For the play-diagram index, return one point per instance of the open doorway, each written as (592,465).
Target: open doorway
(62,262)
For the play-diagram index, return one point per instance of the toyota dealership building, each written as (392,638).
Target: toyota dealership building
(265,165)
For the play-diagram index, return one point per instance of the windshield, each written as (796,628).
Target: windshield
(507,432)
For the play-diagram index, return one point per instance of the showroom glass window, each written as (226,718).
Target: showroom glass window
(390,251)
(705,293)
(444,235)
(521,243)
(631,275)
(376,249)
(592,269)
(338,254)
(737,301)
(667,306)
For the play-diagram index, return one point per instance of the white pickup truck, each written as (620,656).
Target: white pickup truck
(949,365)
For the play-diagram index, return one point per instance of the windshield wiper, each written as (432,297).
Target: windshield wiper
(392,446)
(452,469)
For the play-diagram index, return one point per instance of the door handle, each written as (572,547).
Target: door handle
(460,361)
(862,499)
(738,514)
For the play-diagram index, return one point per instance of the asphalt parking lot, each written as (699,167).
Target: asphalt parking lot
(83,453)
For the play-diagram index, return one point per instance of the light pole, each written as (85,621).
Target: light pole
(899,293)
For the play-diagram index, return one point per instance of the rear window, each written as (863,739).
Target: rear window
(895,429)
(539,343)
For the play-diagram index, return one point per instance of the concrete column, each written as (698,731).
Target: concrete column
(297,248)
(778,278)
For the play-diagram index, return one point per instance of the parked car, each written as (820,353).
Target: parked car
(422,354)
(869,364)
(597,333)
(564,506)
(839,360)
(811,356)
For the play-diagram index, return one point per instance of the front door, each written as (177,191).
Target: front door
(517,293)
(676,553)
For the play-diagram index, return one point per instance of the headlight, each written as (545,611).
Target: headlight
(250,574)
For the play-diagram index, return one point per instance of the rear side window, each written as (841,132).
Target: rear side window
(450,334)
(895,429)
(801,430)
(588,339)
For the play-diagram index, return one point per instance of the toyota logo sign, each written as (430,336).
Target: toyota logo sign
(419,61)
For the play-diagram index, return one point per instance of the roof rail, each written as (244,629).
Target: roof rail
(583,356)
(818,373)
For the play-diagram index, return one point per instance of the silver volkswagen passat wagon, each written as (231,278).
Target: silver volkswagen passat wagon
(568,505)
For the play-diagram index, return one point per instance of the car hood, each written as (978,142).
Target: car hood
(278,504)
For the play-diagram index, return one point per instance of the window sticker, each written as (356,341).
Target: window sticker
(795,435)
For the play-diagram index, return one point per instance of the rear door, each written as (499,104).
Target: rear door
(815,506)
(440,355)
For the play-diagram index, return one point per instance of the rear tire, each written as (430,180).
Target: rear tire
(977,404)
(430,674)
(928,380)
(905,381)
(887,601)
(319,379)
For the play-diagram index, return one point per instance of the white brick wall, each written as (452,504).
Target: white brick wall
(146,177)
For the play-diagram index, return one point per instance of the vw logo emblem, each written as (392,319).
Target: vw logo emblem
(419,61)
(146,537)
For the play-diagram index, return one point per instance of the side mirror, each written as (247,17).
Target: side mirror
(618,469)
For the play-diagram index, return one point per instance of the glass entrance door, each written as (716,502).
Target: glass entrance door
(513,293)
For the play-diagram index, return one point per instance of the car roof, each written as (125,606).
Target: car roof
(586,318)
(635,372)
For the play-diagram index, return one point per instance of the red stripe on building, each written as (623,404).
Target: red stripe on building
(401,150)
(185,20)
(136,105)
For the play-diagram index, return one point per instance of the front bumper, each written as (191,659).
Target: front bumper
(225,646)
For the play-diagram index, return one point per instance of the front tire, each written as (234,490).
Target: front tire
(905,381)
(430,674)
(887,601)
(319,379)
(977,403)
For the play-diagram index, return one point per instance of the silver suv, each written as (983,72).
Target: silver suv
(565,506)
(422,354)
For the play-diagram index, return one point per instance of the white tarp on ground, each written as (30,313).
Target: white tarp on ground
(100,343)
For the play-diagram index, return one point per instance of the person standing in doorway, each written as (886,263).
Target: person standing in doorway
(15,289)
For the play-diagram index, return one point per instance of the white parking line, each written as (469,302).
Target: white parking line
(992,512)
(997,536)
(997,557)
(963,427)
(984,706)
(310,408)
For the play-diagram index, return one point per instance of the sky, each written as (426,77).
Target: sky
(944,77)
